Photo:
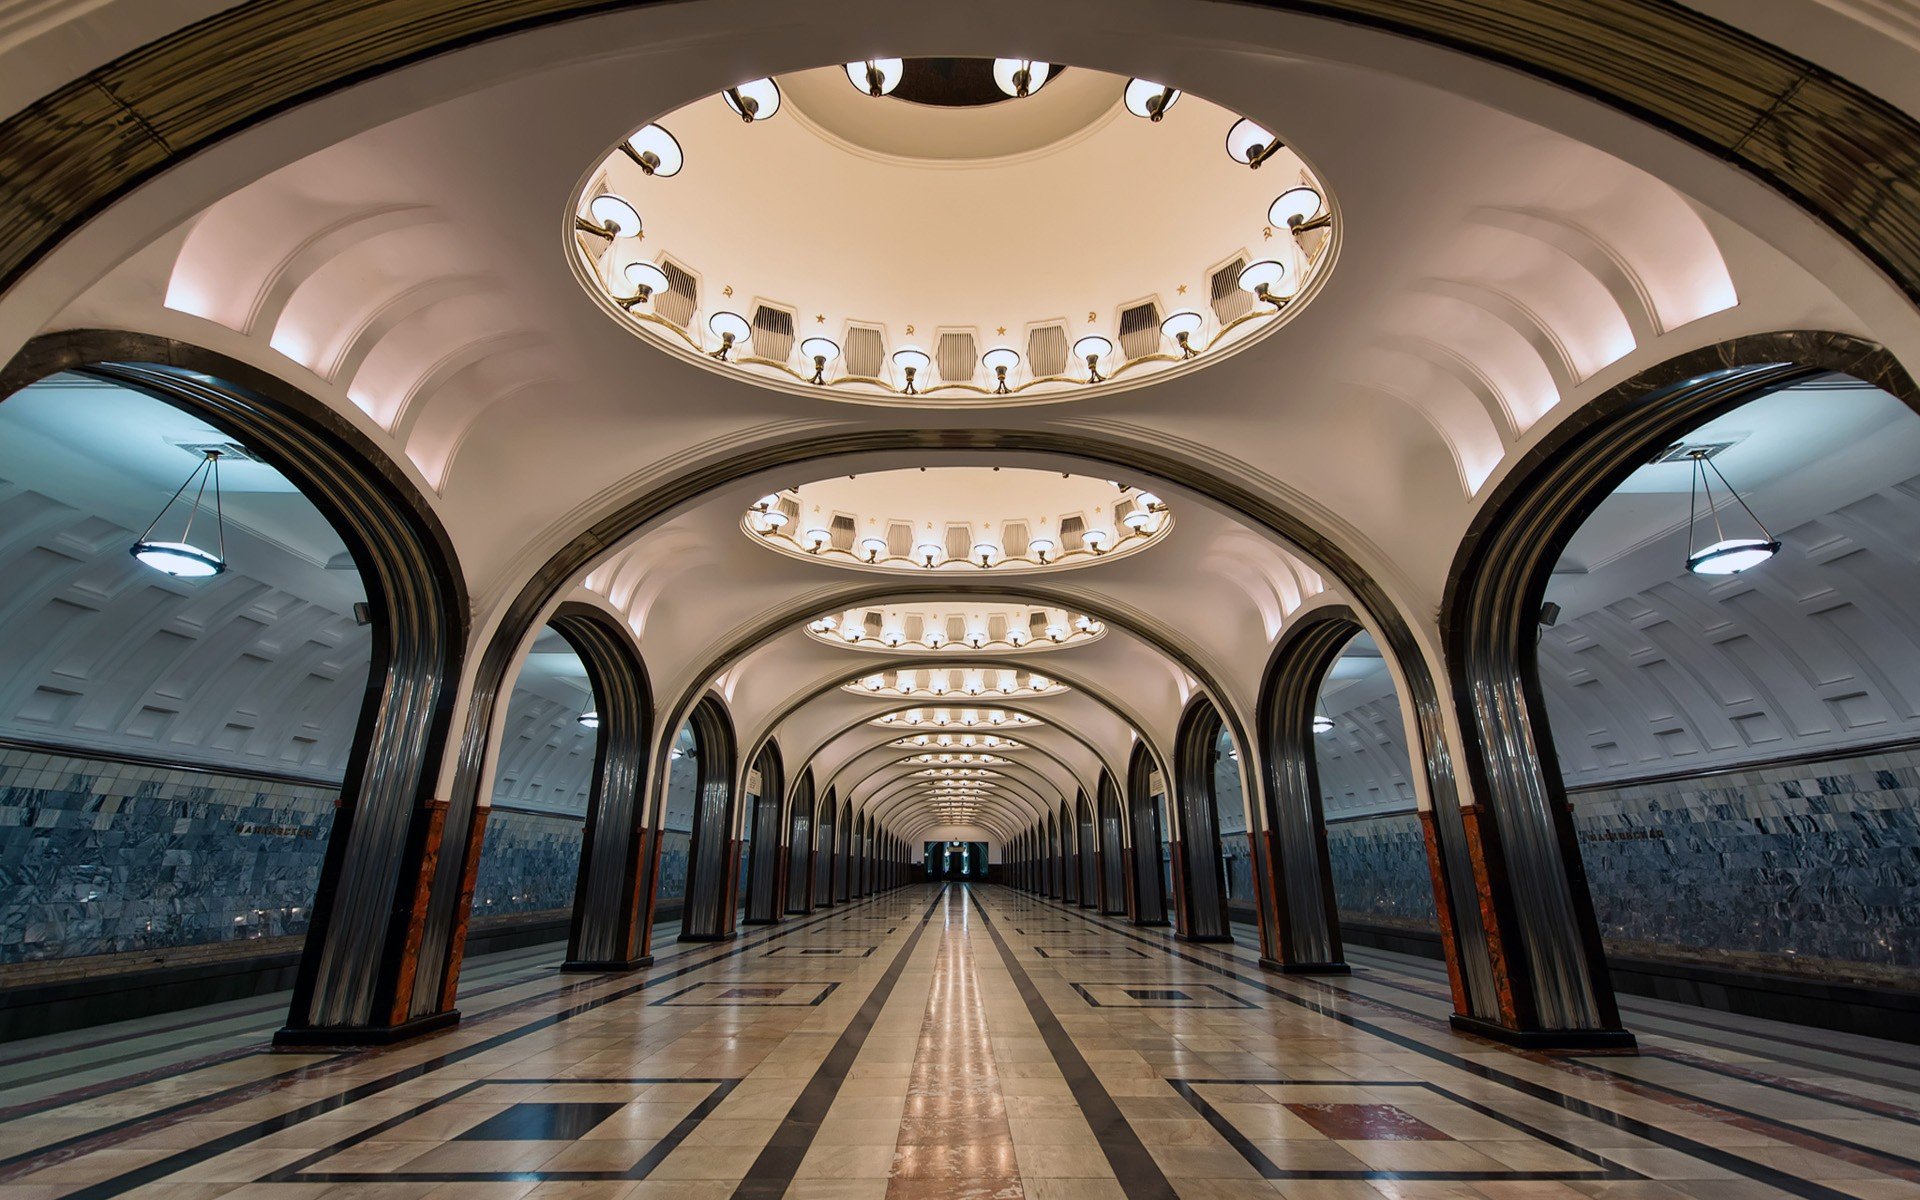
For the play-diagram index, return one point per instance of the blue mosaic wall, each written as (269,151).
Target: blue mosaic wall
(1801,865)
(102,857)
(106,857)
(529,862)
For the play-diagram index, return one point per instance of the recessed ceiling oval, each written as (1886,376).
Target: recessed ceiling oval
(956,683)
(956,628)
(959,519)
(930,246)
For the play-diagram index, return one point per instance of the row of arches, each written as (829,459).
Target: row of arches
(1187,840)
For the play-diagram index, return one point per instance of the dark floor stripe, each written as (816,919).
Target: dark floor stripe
(214,1147)
(773,1171)
(1759,1172)
(1133,1165)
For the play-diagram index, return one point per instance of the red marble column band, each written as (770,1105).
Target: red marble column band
(463,912)
(417,905)
(1449,941)
(1474,820)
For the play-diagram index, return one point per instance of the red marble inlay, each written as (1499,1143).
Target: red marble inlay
(1367,1123)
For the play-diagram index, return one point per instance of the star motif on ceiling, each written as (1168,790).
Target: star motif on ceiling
(1001,330)
(820,318)
(1181,290)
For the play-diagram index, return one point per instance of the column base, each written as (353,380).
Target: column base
(1162,923)
(728,936)
(798,912)
(1206,938)
(365,1035)
(1546,1039)
(759,920)
(584,966)
(1311,968)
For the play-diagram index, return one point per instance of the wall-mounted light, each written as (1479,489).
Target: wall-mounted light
(822,351)
(1056,634)
(1097,539)
(1138,520)
(1000,360)
(755,100)
(875,76)
(1322,724)
(1299,209)
(911,360)
(1250,144)
(1726,556)
(654,151)
(817,540)
(1020,77)
(1181,327)
(928,553)
(986,552)
(1091,349)
(183,559)
(1144,98)
(1261,278)
(874,548)
(609,216)
(730,328)
(1041,548)
(590,719)
(646,279)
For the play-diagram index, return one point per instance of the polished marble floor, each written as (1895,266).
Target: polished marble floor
(956,1042)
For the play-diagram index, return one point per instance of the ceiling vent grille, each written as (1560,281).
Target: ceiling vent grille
(900,539)
(841,528)
(1684,451)
(1072,533)
(772,333)
(682,297)
(231,450)
(1230,302)
(959,541)
(957,629)
(955,357)
(1140,330)
(997,627)
(864,353)
(1037,625)
(791,508)
(1013,536)
(1047,350)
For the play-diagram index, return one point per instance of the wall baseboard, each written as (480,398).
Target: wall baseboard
(35,1010)
(1890,1013)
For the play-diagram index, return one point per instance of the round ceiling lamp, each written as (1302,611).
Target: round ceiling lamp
(1020,77)
(1144,98)
(610,217)
(822,351)
(1250,144)
(755,100)
(1322,724)
(1725,555)
(647,279)
(655,151)
(875,76)
(913,362)
(182,559)
(1262,278)
(1091,349)
(1299,209)
(732,329)
(1181,327)
(590,719)
(1000,360)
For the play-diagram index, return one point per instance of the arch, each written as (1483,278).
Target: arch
(799,869)
(1304,915)
(1539,915)
(1109,816)
(765,864)
(712,852)
(375,966)
(1070,851)
(1089,851)
(843,853)
(603,933)
(1200,878)
(825,824)
(1147,818)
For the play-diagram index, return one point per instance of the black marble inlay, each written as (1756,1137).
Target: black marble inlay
(776,994)
(1155,994)
(540,1123)
(1078,952)
(1204,995)
(820,952)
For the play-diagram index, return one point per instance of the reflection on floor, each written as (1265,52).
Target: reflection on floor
(955,1041)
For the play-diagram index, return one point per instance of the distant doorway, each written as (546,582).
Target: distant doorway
(956,860)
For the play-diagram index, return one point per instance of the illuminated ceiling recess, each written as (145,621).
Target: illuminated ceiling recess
(956,682)
(956,629)
(961,519)
(957,719)
(909,258)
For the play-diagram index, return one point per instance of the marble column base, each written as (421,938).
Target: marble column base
(610,966)
(1546,1039)
(364,1035)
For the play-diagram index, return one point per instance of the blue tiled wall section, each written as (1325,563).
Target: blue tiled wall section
(1800,864)
(528,863)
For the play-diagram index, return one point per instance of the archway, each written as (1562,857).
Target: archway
(365,973)
(1150,855)
(1112,825)
(1089,852)
(708,910)
(1495,627)
(761,894)
(799,898)
(1069,853)
(1203,755)
(826,845)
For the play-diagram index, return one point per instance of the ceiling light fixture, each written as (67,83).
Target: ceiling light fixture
(1726,556)
(1144,98)
(818,540)
(1322,724)
(590,719)
(654,151)
(874,547)
(1000,360)
(875,76)
(986,552)
(755,100)
(1092,348)
(822,351)
(646,279)
(1041,547)
(1299,209)
(1250,144)
(1260,278)
(911,360)
(1181,327)
(611,217)
(729,327)
(183,559)
(1020,77)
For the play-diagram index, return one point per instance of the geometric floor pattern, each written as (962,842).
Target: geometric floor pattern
(965,1042)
